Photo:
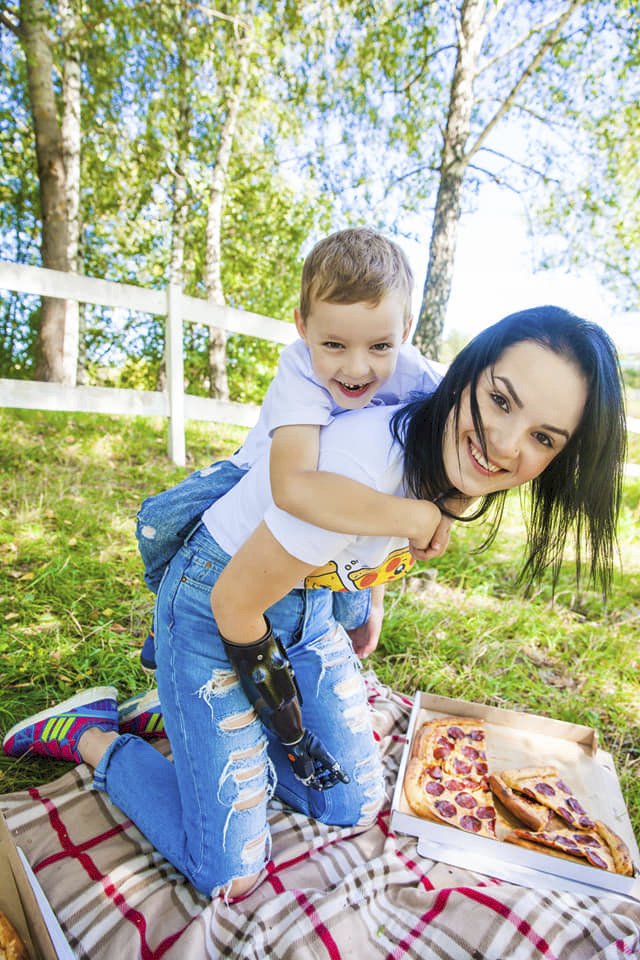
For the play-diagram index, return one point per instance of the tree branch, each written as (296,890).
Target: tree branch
(518,43)
(528,71)
(6,21)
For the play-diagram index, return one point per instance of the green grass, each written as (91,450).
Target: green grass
(74,610)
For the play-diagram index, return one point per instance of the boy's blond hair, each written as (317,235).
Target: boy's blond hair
(357,265)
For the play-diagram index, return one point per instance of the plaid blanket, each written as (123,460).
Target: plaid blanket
(329,893)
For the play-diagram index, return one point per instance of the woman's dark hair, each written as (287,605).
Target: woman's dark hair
(580,489)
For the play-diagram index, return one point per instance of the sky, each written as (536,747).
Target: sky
(494,277)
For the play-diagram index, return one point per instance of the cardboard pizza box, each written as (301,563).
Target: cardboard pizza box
(516,739)
(22,901)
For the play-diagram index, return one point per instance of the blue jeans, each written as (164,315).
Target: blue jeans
(166,519)
(207,811)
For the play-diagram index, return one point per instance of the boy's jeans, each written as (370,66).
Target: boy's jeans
(166,519)
(207,811)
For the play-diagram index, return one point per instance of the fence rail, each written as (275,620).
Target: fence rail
(178,309)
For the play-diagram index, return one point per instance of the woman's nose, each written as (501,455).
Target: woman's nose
(505,441)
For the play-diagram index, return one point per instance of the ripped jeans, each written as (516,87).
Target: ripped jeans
(206,811)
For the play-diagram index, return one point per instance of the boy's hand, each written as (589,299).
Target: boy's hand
(365,638)
(439,541)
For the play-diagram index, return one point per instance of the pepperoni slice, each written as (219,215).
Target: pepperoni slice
(585,840)
(436,772)
(545,789)
(471,823)
(575,805)
(466,800)
(561,785)
(461,766)
(456,733)
(454,785)
(485,813)
(566,814)
(596,860)
(470,752)
(476,735)
(586,822)
(439,753)
(434,788)
(445,809)
(482,769)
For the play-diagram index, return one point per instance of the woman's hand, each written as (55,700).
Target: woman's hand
(365,638)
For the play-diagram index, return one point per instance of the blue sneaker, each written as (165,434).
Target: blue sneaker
(142,715)
(148,653)
(55,732)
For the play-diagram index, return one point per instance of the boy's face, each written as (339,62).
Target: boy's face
(354,346)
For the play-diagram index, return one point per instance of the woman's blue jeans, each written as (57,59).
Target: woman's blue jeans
(206,811)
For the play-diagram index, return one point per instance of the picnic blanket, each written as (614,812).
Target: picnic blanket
(330,893)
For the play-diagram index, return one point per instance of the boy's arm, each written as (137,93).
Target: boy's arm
(440,539)
(365,638)
(338,503)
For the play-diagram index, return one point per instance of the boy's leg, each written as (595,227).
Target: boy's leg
(165,519)
(352,608)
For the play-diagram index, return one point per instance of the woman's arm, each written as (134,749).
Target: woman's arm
(257,576)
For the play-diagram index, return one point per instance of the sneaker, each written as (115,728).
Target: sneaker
(55,732)
(148,653)
(142,715)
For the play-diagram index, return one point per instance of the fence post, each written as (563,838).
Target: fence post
(175,375)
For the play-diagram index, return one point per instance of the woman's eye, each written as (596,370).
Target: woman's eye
(500,401)
(544,439)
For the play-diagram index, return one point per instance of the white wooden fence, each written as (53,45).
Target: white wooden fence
(170,303)
(178,309)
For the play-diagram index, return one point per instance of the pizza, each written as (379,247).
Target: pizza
(532,793)
(11,945)
(446,777)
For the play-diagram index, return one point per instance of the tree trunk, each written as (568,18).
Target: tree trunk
(55,341)
(71,131)
(444,235)
(218,384)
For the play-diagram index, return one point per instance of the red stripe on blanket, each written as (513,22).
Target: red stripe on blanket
(87,845)
(522,926)
(410,864)
(137,919)
(405,944)
(318,926)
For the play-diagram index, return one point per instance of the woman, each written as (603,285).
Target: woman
(259,685)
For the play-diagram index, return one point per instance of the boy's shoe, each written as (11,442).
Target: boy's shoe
(148,653)
(142,715)
(55,732)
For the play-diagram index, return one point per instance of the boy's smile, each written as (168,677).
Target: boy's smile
(354,346)
(530,405)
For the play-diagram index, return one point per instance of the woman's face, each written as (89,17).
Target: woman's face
(530,404)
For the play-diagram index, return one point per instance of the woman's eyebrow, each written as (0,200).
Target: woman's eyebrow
(518,402)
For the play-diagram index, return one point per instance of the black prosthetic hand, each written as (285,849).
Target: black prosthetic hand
(268,680)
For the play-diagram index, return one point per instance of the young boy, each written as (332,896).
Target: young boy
(354,320)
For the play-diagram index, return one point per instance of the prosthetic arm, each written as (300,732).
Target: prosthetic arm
(268,680)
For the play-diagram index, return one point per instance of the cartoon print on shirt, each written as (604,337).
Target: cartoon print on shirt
(395,565)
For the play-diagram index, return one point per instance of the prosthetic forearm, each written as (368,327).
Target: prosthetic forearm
(268,680)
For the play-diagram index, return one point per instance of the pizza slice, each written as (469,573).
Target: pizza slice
(545,786)
(570,830)
(530,812)
(446,777)
(599,847)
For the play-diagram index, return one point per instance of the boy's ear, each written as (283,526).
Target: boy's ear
(407,328)
(300,324)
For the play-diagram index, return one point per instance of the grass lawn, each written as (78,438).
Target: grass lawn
(74,610)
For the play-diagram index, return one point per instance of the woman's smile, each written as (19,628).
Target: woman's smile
(530,404)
